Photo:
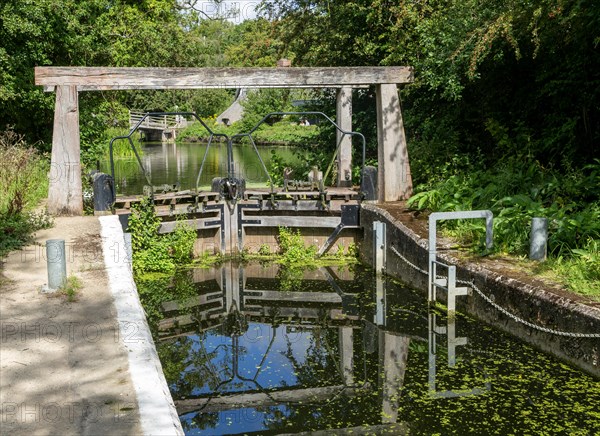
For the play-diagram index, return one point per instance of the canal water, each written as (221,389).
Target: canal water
(261,349)
(180,163)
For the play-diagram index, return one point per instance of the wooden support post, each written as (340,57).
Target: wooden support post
(393,358)
(347,354)
(344,121)
(65,185)
(65,191)
(394,181)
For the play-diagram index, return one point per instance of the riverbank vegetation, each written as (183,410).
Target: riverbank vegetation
(153,252)
(503,115)
(285,132)
(516,191)
(24,182)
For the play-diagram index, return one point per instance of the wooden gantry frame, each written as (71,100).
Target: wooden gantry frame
(394,178)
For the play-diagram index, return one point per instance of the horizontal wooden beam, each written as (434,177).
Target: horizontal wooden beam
(263,399)
(293,221)
(111,78)
(295,297)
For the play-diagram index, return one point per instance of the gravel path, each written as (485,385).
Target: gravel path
(63,369)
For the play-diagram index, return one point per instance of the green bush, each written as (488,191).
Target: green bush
(23,174)
(24,181)
(286,131)
(588,259)
(293,250)
(153,252)
(197,132)
(516,191)
(16,229)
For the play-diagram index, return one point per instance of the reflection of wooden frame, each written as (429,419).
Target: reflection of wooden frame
(273,398)
(65,192)
(301,307)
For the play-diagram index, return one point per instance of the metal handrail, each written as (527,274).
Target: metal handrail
(229,140)
(138,125)
(308,113)
(433,219)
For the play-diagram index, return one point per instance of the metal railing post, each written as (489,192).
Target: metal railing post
(379,246)
(450,284)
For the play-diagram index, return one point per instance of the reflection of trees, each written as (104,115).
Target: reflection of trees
(154,291)
(338,412)
(320,368)
(200,421)
(187,369)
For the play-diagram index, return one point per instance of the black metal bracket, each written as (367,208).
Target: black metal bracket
(242,221)
(220,222)
(350,219)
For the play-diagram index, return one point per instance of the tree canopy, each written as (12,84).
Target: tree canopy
(493,78)
(502,77)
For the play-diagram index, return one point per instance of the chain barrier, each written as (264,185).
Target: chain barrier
(412,265)
(500,308)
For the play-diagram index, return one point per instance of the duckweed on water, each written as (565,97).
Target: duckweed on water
(209,353)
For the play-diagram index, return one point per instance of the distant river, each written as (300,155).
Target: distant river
(180,163)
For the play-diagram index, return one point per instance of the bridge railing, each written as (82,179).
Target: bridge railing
(156,122)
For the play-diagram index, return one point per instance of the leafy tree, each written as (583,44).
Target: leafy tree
(98,33)
(44,32)
(495,78)
(261,102)
(255,44)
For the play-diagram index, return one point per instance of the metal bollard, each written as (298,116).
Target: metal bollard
(56,260)
(538,248)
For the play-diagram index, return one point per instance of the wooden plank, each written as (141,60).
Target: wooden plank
(169,306)
(106,78)
(296,206)
(305,313)
(177,321)
(273,398)
(394,178)
(197,223)
(270,271)
(334,190)
(65,192)
(298,297)
(295,221)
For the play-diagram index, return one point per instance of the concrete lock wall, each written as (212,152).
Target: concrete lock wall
(528,302)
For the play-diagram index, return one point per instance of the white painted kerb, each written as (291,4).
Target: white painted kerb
(157,411)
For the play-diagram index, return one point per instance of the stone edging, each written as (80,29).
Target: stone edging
(531,303)
(156,408)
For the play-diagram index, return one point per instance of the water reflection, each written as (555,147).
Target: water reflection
(172,164)
(449,330)
(263,349)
